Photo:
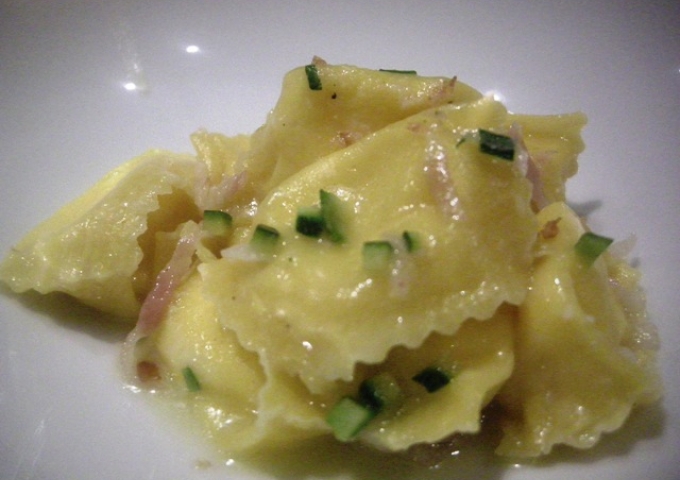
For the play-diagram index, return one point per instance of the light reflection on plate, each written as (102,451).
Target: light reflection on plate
(86,85)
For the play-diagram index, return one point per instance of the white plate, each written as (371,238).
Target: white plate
(69,112)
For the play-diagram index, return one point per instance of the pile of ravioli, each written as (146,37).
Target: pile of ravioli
(496,294)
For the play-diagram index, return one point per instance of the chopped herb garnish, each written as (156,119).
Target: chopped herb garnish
(332,213)
(348,417)
(313,78)
(351,415)
(327,217)
(411,240)
(193,385)
(264,239)
(432,378)
(377,255)
(404,72)
(217,222)
(590,246)
(500,146)
(310,221)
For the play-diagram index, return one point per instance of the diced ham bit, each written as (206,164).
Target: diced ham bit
(318,61)
(215,197)
(157,301)
(551,229)
(529,167)
(444,93)
(402,272)
(440,181)
(345,139)
(538,198)
(148,371)
(416,127)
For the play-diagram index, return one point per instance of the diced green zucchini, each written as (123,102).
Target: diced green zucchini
(411,240)
(590,246)
(192,383)
(432,378)
(313,79)
(379,392)
(217,223)
(348,417)
(265,239)
(310,221)
(403,72)
(500,146)
(333,216)
(377,255)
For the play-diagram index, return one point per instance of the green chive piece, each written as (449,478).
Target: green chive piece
(348,417)
(193,385)
(500,146)
(332,213)
(265,239)
(377,255)
(217,222)
(432,378)
(309,221)
(313,77)
(590,246)
(403,72)
(411,240)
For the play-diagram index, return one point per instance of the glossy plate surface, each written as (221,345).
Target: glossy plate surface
(87,85)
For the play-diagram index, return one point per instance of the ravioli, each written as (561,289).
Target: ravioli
(575,376)
(317,311)
(101,247)
(480,354)
(306,125)
(386,257)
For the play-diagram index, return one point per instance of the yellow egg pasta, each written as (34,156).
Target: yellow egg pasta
(387,257)
(574,379)
(101,247)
